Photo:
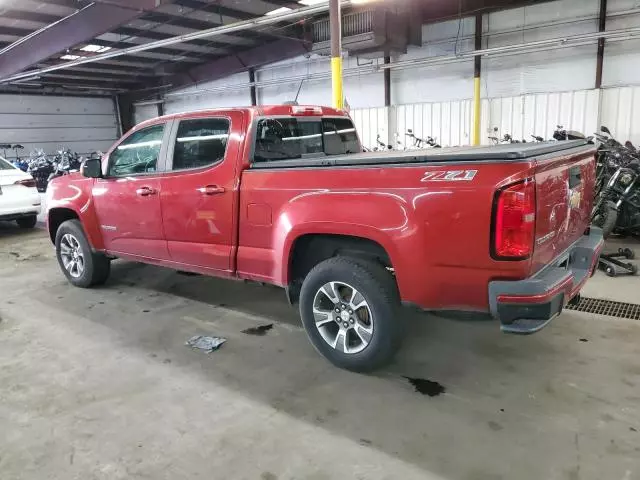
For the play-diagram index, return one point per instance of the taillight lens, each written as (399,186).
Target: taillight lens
(27,182)
(514,221)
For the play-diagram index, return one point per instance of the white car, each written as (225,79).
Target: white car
(19,197)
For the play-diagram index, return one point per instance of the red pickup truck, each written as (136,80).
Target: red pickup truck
(285,195)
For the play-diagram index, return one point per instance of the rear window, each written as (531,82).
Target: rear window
(5,165)
(295,138)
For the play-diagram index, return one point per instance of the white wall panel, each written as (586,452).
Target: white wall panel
(210,99)
(620,107)
(83,124)
(371,122)
(521,116)
(449,123)
(526,115)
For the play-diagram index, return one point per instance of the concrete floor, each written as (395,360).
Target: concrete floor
(98,384)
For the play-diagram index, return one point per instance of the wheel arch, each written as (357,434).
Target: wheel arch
(309,249)
(56,217)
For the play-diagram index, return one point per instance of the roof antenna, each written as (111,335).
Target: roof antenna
(295,101)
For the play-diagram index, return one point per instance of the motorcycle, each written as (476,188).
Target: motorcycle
(381,146)
(18,162)
(419,143)
(40,167)
(64,163)
(561,134)
(617,202)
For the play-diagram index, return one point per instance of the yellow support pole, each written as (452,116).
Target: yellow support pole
(335,20)
(477,69)
(336,82)
(477,111)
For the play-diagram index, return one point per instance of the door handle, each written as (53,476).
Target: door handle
(145,191)
(211,190)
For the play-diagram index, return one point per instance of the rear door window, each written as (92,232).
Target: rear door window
(295,138)
(340,136)
(200,143)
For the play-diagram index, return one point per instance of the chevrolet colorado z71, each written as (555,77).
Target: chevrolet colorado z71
(285,195)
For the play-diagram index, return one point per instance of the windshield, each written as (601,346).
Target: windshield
(293,138)
(5,165)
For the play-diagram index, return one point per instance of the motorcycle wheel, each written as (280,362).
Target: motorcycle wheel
(606,217)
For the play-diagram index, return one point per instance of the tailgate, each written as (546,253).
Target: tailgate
(564,197)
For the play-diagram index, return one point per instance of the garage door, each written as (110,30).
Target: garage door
(52,123)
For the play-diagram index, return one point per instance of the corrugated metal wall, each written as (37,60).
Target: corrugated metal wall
(51,123)
(620,106)
(520,116)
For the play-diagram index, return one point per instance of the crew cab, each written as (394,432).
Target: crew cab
(285,195)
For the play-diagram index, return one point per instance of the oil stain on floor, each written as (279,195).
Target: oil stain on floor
(259,331)
(427,387)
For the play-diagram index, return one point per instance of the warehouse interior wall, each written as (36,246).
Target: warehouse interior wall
(82,124)
(522,94)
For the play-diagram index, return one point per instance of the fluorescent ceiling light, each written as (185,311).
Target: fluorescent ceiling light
(70,57)
(278,10)
(95,48)
(306,3)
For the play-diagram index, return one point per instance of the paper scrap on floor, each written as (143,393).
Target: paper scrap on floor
(208,344)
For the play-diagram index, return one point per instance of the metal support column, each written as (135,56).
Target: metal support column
(602,22)
(387,83)
(335,17)
(160,106)
(252,81)
(125,110)
(477,69)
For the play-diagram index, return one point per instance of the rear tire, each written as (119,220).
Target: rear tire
(606,218)
(82,267)
(27,222)
(358,338)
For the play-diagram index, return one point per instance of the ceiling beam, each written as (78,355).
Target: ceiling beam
(216,8)
(68,3)
(133,4)
(30,16)
(241,62)
(81,26)
(195,24)
(155,35)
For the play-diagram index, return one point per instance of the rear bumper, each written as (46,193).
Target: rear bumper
(6,217)
(526,306)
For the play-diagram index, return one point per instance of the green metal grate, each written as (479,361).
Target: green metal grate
(607,307)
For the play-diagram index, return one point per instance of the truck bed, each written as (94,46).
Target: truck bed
(507,152)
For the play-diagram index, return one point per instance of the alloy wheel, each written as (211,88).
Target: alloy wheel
(343,317)
(72,255)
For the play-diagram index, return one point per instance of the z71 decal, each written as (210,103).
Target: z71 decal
(450,176)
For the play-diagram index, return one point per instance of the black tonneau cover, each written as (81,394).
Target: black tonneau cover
(507,152)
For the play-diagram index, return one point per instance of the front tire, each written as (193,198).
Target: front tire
(27,222)
(349,310)
(82,267)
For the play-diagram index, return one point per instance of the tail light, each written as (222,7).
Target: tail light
(27,182)
(514,221)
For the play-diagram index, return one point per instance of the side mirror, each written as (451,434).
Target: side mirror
(92,168)
(605,130)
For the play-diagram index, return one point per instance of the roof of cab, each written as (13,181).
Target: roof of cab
(261,110)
